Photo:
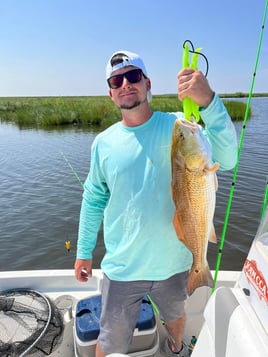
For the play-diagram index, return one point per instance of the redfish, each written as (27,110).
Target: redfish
(194,186)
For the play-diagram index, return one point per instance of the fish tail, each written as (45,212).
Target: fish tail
(199,278)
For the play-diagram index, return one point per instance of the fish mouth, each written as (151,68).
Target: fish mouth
(193,127)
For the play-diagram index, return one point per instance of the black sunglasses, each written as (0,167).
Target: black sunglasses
(133,76)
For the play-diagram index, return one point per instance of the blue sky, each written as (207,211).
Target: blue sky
(61,47)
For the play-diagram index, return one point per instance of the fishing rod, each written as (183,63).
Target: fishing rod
(157,313)
(264,205)
(239,151)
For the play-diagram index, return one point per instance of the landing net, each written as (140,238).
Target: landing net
(30,324)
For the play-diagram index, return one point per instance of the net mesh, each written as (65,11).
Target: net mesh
(30,324)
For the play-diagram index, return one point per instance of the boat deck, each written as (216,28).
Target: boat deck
(62,287)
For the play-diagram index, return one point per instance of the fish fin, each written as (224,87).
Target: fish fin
(214,168)
(213,237)
(198,278)
(178,228)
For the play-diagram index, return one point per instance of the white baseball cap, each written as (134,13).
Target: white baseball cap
(125,58)
(121,59)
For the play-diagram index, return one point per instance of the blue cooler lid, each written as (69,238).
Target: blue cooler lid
(146,319)
(88,313)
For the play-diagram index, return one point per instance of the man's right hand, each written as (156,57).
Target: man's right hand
(83,269)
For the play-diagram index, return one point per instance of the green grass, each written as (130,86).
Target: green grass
(242,95)
(58,111)
(94,111)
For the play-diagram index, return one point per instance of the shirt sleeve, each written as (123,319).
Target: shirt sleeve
(221,133)
(95,197)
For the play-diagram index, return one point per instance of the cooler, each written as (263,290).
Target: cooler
(86,329)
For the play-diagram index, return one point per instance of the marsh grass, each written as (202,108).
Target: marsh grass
(91,111)
(236,109)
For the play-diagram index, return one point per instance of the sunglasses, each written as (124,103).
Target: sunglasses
(133,76)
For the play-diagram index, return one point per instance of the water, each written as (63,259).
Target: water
(40,196)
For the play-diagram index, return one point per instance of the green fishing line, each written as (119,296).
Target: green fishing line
(73,170)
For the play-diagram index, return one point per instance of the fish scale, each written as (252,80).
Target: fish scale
(194,195)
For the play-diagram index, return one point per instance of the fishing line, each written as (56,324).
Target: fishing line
(239,151)
(192,50)
(71,167)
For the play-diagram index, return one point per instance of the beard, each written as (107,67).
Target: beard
(133,105)
(129,107)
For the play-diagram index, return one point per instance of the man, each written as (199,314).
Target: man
(129,185)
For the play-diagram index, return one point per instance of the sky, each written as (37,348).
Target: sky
(61,47)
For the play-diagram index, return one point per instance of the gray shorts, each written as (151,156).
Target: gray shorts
(121,305)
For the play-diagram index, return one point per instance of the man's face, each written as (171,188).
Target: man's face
(130,95)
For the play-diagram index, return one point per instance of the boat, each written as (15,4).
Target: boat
(232,321)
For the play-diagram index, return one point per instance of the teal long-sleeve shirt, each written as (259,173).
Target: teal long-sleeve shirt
(129,188)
